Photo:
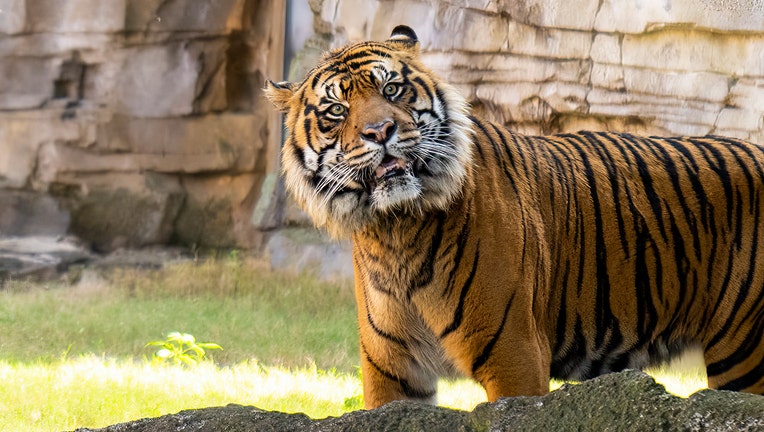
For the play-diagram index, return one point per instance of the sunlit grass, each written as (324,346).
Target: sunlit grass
(96,392)
(463,394)
(684,375)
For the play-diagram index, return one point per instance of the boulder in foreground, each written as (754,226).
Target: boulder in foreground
(626,401)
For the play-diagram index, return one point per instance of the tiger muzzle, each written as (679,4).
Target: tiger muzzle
(380,132)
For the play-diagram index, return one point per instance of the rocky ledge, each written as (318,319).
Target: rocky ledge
(626,401)
(44,258)
(39,257)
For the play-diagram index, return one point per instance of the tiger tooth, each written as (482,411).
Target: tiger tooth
(380,171)
(389,163)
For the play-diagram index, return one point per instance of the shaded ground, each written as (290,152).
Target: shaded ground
(48,257)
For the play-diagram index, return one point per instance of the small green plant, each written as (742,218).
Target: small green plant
(181,349)
(353,403)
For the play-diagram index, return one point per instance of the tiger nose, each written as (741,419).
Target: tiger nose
(379,132)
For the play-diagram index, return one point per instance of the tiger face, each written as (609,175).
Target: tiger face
(369,137)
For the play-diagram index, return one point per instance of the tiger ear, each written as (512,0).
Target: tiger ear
(405,36)
(279,94)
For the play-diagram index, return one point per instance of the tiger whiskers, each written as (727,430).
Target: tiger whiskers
(336,177)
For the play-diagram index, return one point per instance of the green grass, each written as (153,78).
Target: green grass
(96,392)
(74,354)
(251,312)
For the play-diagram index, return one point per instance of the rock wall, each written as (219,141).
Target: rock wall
(542,66)
(137,122)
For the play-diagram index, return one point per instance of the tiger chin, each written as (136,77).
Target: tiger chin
(514,259)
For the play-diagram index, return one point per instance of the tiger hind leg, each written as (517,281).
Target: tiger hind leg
(737,363)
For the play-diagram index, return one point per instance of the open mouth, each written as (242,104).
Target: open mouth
(391,166)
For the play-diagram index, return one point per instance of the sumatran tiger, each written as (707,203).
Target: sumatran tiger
(512,258)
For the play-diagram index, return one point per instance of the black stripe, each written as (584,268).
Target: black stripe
(316,80)
(720,168)
(364,51)
(459,312)
(569,181)
(745,381)
(461,245)
(486,354)
(527,142)
(721,298)
(647,314)
(475,140)
(682,270)
(575,353)
(375,280)
(603,314)
(359,64)
(385,335)
(406,388)
(508,153)
(307,126)
(691,174)
(300,155)
(562,315)
(425,271)
(750,183)
(743,291)
(653,198)
(613,172)
(427,89)
(750,345)
(499,160)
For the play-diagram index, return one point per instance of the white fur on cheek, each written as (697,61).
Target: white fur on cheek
(310,158)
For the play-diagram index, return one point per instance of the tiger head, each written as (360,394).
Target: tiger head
(372,134)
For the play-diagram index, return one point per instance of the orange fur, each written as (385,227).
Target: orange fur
(512,258)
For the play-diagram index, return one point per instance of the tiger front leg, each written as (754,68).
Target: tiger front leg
(398,357)
(516,367)
(386,380)
(508,357)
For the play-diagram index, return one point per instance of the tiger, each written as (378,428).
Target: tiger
(512,259)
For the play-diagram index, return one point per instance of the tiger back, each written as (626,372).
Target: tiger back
(512,258)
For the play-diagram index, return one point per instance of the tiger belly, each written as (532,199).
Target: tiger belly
(579,365)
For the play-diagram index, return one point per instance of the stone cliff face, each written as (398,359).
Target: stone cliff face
(543,66)
(134,122)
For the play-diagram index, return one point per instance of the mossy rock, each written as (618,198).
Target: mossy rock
(626,401)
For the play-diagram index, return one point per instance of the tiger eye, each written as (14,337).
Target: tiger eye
(337,109)
(390,89)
